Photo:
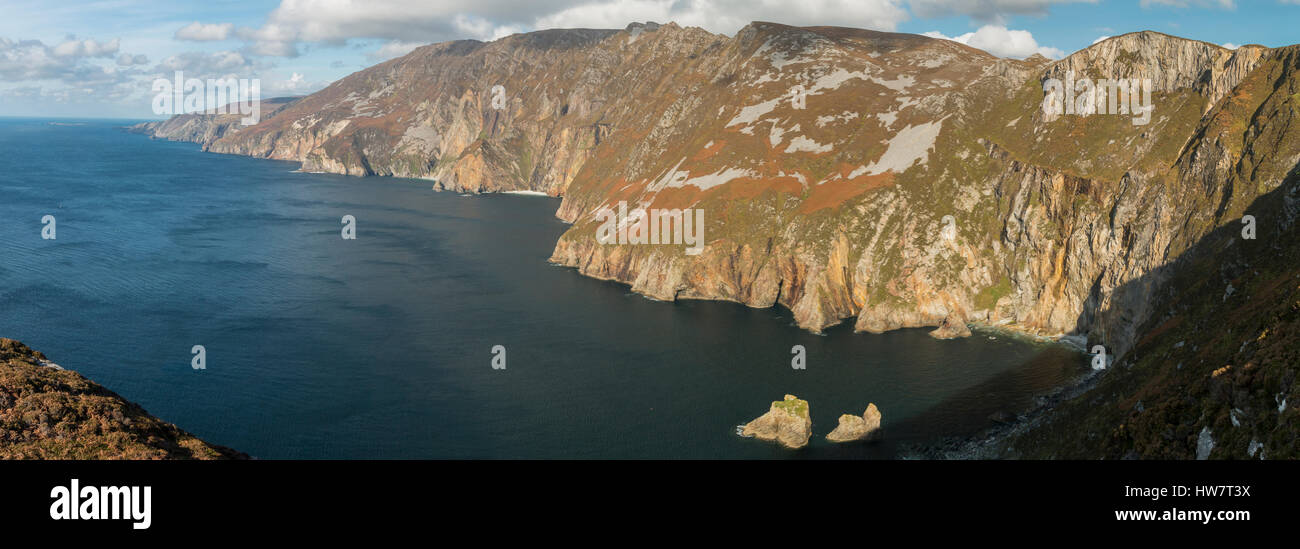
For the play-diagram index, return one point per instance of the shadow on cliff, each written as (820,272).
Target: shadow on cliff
(1207,370)
(1223,255)
(1223,252)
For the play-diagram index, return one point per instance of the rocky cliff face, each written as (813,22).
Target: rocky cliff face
(1213,375)
(888,179)
(1170,62)
(47,412)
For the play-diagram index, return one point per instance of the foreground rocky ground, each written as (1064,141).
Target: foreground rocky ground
(50,413)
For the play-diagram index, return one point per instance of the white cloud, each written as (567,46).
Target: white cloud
(334,22)
(86,48)
(272,39)
(236,65)
(221,64)
(1100,39)
(127,60)
(987,11)
(402,23)
(296,84)
(1230,45)
(394,48)
(68,61)
(728,16)
(1002,42)
(482,28)
(199,32)
(72,69)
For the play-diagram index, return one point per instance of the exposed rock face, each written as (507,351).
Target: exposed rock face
(891,179)
(1171,63)
(786,422)
(863,427)
(953,326)
(50,413)
(207,128)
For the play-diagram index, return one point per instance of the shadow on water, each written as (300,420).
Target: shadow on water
(999,398)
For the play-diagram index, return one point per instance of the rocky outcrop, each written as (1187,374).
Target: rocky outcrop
(47,412)
(786,422)
(1170,62)
(953,326)
(863,427)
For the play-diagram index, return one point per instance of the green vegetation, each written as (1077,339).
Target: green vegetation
(797,407)
(1128,58)
(988,297)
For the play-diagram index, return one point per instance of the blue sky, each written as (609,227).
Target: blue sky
(98,58)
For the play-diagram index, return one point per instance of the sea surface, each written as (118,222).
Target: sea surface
(381,347)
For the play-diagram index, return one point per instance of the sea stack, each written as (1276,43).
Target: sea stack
(851,427)
(786,422)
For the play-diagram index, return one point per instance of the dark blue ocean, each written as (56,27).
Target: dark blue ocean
(380,347)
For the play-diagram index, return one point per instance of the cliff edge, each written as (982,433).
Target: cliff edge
(47,412)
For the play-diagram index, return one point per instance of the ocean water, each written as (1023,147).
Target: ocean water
(381,347)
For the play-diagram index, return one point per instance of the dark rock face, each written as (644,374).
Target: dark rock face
(50,413)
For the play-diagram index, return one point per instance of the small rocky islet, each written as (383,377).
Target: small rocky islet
(788,422)
(863,427)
